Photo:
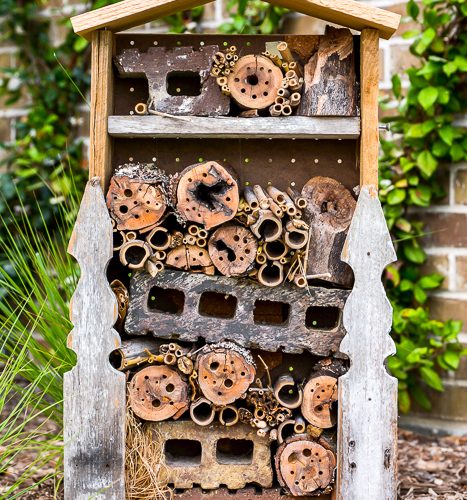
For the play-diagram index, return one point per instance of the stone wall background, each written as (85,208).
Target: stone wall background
(446,240)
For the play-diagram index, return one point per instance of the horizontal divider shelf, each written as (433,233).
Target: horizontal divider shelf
(299,127)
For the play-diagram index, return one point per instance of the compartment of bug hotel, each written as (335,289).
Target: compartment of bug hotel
(244,76)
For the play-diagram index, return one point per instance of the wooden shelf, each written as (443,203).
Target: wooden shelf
(299,127)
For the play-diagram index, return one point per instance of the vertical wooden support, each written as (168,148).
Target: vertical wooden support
(94,393)
(367,438)
(369,79)
(100,145)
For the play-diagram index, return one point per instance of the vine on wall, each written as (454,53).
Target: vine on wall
(46,151)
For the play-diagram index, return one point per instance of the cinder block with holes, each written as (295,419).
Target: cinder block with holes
(248,493)
(210,457)
(186,306)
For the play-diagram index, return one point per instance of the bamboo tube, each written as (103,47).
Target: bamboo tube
(119,238)
(235,58)
(160,255)
(170,358)
(250,197)
(287,392)
(201,242)
(300,425)
(228,56)
(202,412)
(233,48)
(226,89)
(221,81)
(283,93)
(202,233)
(190,239)
(294,85)
(271,274)
(193,230)
(218,58)
(261,258)
(261,197)
(134,254)
(135,352)
(284,260)
(285,430)
(141,108)
(286,110)
(295,99)
(281,100)
(300,281)
(159,238)
(130,236)
(215,71)
(294,66)
(299,201)
(275,110)
(275,250)
(154,267)
(285,66)
(267,226)
(285,83)
(295,237)
(176,239)
(275,208)
(285,52)
(291,208)
(276,194)
(227,71)
(228,415)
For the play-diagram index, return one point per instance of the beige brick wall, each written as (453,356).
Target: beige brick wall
(446,223)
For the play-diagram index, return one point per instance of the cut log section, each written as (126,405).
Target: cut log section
(304,466)
(190,258)
(330,207)
(254,82)
(319,394)
(157,393)
(233,250)
(134,205)
(135,253)
(224,374)
(207,193)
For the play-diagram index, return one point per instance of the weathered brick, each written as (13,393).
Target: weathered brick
(438,264)
(5,129)
(407,23)
(445,229)
(448,405)
(460,187)
(445,309)
(461,273)
(401,59)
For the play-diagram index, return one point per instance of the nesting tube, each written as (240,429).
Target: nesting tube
(228,415)
(285,430)
(287,392)
(141,108)
(271,274)
(300,425)
(202,412)
(154,267)
(276,194)
(267,226)
(159,238)
(286,110)
(250,198)
(261,197)
(275,250)
(134,254)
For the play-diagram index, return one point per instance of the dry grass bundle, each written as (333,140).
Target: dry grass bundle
(145,471)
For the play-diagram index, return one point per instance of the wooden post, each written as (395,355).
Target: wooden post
(94,392)
(100,143)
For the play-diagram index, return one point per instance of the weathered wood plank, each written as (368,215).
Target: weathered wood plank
(367,437)
(178,312)
(130,13)
(94,393)
(369,76)
(100,144)
(300,127)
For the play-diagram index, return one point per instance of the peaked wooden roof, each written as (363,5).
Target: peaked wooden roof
(130,13)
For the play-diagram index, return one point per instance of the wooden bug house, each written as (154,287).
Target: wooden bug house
(231,246)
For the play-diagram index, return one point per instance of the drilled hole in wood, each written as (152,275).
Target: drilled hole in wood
(187,83)
(220,245)
(323,318)
(123,209)
(268,312)
(207,195)
(252,79)
(217,305)
(234,451)
(166,300)
(182,452)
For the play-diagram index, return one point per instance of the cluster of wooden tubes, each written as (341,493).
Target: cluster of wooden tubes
(220,382)
(223,63)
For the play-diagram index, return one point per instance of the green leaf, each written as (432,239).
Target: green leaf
(440,149)
(452,359)
(457,152)
(396,196)
(449,68)
(396,85)
(404,401)
(431,281)
(427,163)
(80,44)
(414,253)
(424,41)
(412,9)
(420,397)
(420,196)
(406,285)
(427,97)
(431,378)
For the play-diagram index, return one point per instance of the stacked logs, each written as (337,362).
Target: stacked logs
(220,382)
(271,83)
(198,221)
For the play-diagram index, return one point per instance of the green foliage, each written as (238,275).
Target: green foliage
(424,138)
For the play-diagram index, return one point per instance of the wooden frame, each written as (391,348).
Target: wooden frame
(366,453)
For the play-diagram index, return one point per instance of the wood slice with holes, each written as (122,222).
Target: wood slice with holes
(224,374)
(207,193)
(157,393)
(254,82)
(190,258)
(329,211)
(233,250)
(319,396)
(134,205)
(304,466)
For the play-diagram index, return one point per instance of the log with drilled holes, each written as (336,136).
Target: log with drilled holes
(232,249)
(133,204)
(330,207)
(207,193)
(304,466)
(157,393)
(190,258)
(225,371)
(319,396)
(254,82)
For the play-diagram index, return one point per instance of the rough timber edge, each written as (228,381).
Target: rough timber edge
(130,13)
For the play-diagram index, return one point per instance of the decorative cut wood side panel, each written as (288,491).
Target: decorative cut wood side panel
(94,405)
(367,436)
(188,306)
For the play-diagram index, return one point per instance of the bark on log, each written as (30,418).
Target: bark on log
(330,207)
(319,395)
(330,83)
(254,82)
(224,374)
(133,204)
(232,249)
(304,466)
(157,393)
(207,193)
